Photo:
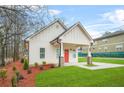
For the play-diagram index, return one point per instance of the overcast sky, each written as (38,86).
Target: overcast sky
(96,19)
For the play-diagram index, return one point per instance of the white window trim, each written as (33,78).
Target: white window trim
(119,46)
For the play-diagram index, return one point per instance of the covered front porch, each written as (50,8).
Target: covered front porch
(72,40)
(69,52)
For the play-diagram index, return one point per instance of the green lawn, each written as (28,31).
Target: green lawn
(75,76)
(105,60)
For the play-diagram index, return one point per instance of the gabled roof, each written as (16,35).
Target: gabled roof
(110,35)
(76,24)
(42,29)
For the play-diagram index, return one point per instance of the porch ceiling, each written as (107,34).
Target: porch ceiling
(74,45)
(68,45)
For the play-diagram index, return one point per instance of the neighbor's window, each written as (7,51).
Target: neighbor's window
(105,40)
(42,52)
(105,48)
(119,47)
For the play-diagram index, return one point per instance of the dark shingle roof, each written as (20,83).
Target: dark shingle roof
(110,35)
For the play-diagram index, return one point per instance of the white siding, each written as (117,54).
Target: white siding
(42,41)
(76,36)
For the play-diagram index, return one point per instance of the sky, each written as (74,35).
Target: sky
(95,19)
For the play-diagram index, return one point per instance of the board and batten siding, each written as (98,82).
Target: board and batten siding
(42,40)
(76,36)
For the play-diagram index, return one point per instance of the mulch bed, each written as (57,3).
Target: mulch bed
(29,79)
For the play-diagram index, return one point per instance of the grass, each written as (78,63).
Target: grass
(74,76)
(105,60)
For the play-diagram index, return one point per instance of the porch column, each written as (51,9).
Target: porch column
(89,57)
(76,55)
(61,55)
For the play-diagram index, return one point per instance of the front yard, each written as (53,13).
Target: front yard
(68,76)
(75,76)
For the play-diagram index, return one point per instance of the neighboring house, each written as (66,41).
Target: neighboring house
(55,43)
(111,42)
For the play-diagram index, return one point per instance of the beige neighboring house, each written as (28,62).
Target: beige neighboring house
(111,42)
(55,43)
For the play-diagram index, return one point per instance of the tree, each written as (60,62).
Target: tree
(16,22)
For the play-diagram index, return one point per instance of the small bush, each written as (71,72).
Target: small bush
(14,68)
(22,60)
(52,66)
(3,73)
(44,62)
(21,77)
(36,64)
(29,71)
(17,75)
(14,81)
(41,68)
(26,65)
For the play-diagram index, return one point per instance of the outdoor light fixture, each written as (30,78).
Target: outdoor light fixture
(80,48)
(91,43)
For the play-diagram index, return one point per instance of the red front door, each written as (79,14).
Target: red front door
(66,55)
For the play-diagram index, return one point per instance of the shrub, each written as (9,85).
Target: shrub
(14,68)
(29,71)
(17,75)
(26,65)
(22,60)
(3,73)
(52,66)
(14,81)
(41,67)
(21,77)
(36,64)
(44,62)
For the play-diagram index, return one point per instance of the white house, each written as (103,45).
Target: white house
(55,43)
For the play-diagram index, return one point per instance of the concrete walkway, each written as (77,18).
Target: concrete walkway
(97,65)
(110,58)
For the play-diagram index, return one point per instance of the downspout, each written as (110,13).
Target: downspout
(28,51)
(60,53)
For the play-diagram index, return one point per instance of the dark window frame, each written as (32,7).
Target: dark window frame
(42,53)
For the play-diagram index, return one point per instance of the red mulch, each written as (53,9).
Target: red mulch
(29,79)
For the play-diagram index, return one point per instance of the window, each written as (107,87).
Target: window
(74,55)
(57,52)
(105,48)
(42,52)
(119,47)
(93,47)
(105,40)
